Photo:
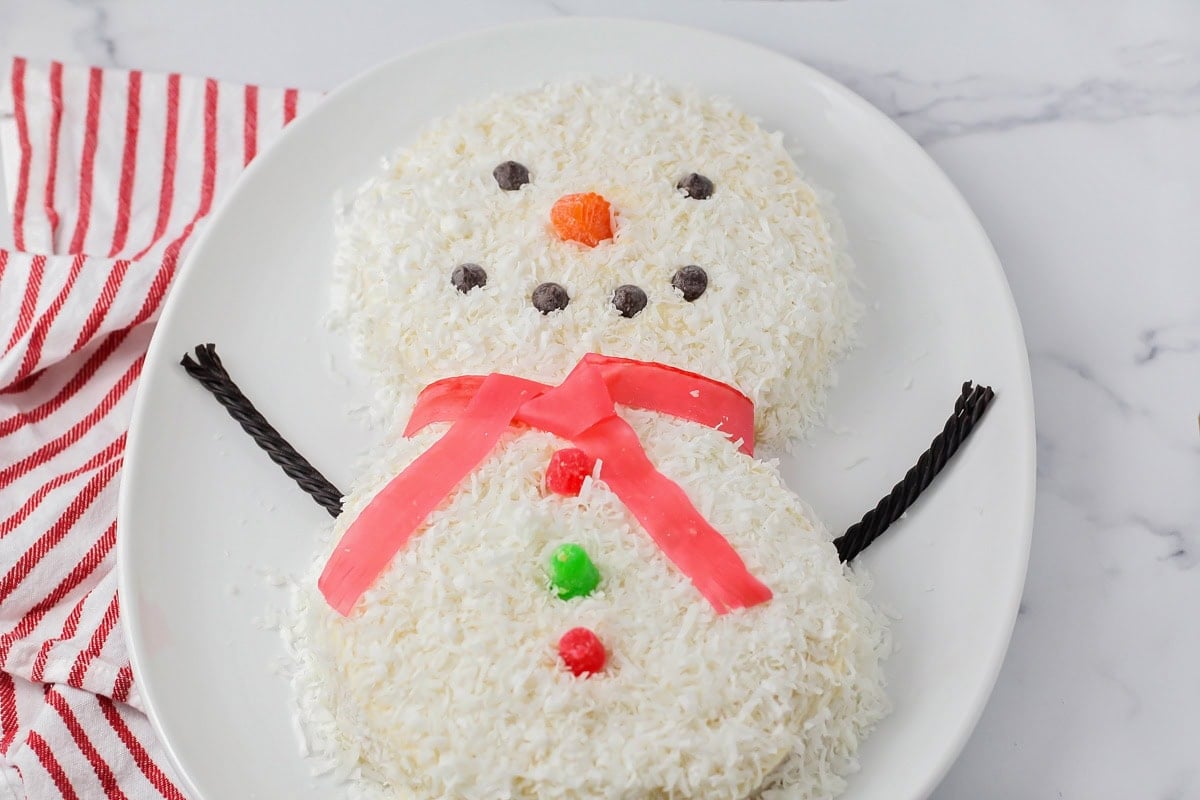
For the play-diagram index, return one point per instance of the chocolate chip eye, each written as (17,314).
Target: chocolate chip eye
(549,297)
(467,276)
(511,176)
(696,186)
(691,280)
(629,300)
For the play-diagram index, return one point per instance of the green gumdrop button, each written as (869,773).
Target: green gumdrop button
(572,572)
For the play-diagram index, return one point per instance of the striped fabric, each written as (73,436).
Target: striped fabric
(109,175)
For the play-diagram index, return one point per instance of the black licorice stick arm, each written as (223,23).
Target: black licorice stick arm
(208,370)
(968,410)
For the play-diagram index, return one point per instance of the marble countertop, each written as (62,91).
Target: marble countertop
(1072,129)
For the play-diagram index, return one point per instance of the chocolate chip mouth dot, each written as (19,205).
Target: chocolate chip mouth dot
(691,280)
(512,176)
(696,186)
(549,297)
(629,300)
(467,276)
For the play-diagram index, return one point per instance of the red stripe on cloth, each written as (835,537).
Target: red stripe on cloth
(87,166)
(70,625)
(100,310)
(113,450)
(162,279)
(55,446)
(133,108)
(86,566)
(58,531)
(33,351)
(167,269)
(156,776)
(3,262)
(22,193)
(95,644)
(169,155)
(107,779)
(33,287)
(49,763)
(290,97)
(158,288)
(94,362)
(56,114)
(250,144)
(23,385)
(166,193)
(209,181)
(166,200)
(120,268)
(8,712)
(123,683)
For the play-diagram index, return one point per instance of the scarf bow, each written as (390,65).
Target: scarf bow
(582,409)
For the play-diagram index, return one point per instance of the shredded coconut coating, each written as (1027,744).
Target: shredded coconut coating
(775,317)
(445,681)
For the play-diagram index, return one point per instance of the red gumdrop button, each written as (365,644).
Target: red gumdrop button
(568,467)
(581,651)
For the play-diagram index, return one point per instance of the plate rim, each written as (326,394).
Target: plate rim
(1021,395)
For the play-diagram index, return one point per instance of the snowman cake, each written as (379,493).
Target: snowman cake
(564,573)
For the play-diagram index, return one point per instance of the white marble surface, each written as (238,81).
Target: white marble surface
(1073,128)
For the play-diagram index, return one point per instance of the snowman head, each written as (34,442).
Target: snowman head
(619,217)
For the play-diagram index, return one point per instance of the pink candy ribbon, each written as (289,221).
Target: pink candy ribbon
(582,409)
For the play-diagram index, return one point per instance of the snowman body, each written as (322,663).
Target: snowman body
(444,681)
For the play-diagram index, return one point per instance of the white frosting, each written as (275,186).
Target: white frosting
(445,681)
(777,312)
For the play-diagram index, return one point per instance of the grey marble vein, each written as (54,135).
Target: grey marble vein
(1171,339)
(95,39)
(1131,698)
(1085,373)
(934,110)
(1179,549)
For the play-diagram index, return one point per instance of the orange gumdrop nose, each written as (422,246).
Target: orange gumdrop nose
(583,218)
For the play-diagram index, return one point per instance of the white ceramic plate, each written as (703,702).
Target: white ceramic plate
(204,515)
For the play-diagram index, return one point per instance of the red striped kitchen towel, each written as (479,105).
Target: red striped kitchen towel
(109,173)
